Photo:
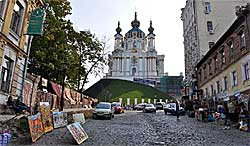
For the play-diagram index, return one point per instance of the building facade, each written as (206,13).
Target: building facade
(135,55)
(204,21)
(172,85)
(225,70)
(14,16)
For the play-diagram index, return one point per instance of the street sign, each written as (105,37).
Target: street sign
(36,22)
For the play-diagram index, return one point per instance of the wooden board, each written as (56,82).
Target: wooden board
(77,132)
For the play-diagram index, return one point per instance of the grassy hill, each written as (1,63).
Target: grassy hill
(113,89)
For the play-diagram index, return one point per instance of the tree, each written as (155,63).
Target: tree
(60,43)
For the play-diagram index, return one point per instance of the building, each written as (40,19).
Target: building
(14,16)
(225,70)
(172,85)
(135,56)
(204,21)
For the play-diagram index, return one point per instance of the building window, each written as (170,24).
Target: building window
(6,74)
(210,27)
(224,83)
(233,78)
(215,63)
(218,86)
(204,72)
(210,44)
(206,92)
(133,71)
(2,8)
(207,7)
(16,18)
(231,49)
(245,72)
(242,40)
(223,60)
(211,90)
(209,67)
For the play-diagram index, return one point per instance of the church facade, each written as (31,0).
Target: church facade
(134,57)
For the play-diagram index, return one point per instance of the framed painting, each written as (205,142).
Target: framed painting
(77,132)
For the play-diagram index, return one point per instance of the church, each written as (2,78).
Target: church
(134,57)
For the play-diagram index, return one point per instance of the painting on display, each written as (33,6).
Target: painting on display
(77,132)
(60,119)
(46,116)
(79,118)
(36,127)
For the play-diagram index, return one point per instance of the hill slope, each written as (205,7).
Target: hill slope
(112,89)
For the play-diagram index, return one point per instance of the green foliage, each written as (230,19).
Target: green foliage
(61,44)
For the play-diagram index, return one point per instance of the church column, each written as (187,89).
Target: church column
(118,66)
(128,65)
(124,66)
(154,61)
(114,67)
(150,66)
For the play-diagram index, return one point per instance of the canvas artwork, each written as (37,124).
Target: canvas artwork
(36,127)
(60,119)
(77,132)
(46,116)
(79,118)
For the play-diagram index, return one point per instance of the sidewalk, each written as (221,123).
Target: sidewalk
(4,118)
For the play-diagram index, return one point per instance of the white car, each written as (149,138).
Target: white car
(103,109)
(149,108)
(171,108)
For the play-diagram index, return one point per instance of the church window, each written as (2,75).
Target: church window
(134,44)
(126,45)
(133,71)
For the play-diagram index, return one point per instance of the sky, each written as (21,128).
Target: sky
(101,18)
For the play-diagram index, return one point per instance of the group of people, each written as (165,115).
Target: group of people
(232,111)
(17,105)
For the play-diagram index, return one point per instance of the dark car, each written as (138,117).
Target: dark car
(159,105)
(149,108)
(118,109)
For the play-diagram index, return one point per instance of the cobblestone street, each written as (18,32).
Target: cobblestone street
(146,129)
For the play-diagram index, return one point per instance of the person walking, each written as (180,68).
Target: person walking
(226,113)
(177,109)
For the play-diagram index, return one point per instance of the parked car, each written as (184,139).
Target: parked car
(149,108)
(118,109)
(103,109)
(171,108)
(140,106)
(159,105)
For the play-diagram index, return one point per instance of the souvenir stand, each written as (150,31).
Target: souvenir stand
(244,116)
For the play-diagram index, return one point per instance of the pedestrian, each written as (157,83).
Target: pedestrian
(177,109)
(226,113)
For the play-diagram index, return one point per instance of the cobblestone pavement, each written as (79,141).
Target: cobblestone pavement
(147,129)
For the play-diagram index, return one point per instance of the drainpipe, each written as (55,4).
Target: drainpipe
(26,65)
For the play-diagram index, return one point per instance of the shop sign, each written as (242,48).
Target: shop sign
(36,22)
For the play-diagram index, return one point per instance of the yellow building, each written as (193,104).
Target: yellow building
(14,17)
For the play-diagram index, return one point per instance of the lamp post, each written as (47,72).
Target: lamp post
(64,68)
